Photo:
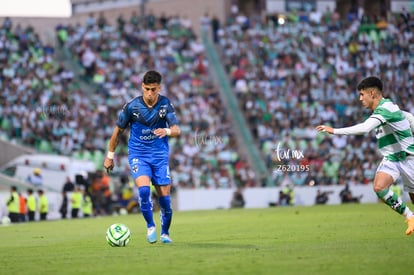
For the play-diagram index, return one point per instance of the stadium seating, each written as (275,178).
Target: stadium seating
(205,156)
(289,78)
(286,78)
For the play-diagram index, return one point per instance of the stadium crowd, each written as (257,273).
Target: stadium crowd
(290,77)
(287,78)
(75,122)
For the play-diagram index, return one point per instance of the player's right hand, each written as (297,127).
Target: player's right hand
(324,128)
(108,164)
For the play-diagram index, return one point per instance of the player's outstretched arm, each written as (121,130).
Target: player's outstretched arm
(358,129)
(113,143)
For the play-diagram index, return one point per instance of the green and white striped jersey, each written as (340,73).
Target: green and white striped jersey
(395,139)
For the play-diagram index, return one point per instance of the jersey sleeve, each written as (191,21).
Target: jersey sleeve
(410,119)
(124,117)
(171,117)
(383,115)
(361,128)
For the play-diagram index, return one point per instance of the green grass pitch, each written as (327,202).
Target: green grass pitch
(340,239)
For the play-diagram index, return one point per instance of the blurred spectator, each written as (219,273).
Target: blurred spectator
(13,205)
(43,205)
(36,178)
(128,200)
(322,197)
(101,193)
(22,207)
(63,209)
(287,196)
(237,200)
(347,196)
(87,207)
(31,205)
(68,186)
(283,199)
(215,27)
(76,201)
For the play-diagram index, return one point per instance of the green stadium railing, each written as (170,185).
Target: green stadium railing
(220,75)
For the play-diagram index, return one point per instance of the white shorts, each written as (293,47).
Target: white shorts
(404,168)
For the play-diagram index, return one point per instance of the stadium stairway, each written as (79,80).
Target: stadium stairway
(244,136)
(70,62)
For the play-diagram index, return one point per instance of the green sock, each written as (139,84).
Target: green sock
(394,201)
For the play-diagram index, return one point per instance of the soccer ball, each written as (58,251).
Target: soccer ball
(118,234)
(123,212)
(5,220)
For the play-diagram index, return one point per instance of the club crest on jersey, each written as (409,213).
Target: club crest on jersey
(162,113)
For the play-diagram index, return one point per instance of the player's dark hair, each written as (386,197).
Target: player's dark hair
(152,77)
(370,82)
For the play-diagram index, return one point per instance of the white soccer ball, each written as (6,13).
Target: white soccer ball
(118,234)
(5,220)
(123,212)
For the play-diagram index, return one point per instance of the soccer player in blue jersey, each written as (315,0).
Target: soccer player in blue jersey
(151,118)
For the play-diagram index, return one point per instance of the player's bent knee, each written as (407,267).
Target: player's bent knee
(144,191)
(377,188)
(144,197)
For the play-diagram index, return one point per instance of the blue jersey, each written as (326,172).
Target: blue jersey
(143,120)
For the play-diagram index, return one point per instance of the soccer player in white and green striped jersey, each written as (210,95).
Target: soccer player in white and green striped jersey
(394,131)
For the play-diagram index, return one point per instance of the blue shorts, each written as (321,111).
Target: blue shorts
(157,170)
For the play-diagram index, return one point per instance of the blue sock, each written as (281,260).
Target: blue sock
(165,214)
(146,204)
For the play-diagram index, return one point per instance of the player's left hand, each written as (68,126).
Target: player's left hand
(324,128)
(160,132)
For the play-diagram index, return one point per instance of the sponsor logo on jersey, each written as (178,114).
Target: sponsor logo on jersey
(147,134)
(147,131)
(150,137)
